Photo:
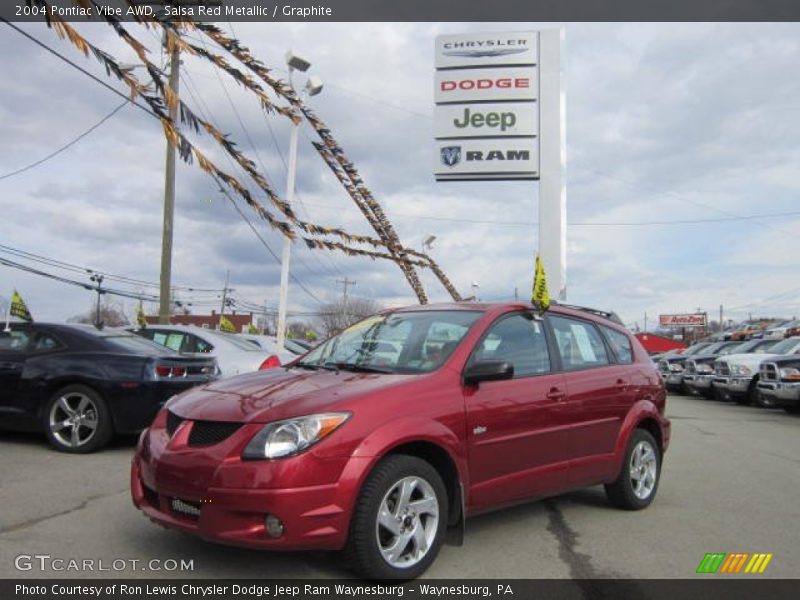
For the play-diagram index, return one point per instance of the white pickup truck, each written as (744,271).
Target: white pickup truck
(736,375)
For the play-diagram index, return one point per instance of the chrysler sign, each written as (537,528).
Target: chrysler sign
(486,49)
(684,320)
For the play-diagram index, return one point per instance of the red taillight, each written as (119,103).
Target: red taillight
(164,371)
(271,362)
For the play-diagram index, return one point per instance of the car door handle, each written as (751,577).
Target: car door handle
(555,394)
(621,384)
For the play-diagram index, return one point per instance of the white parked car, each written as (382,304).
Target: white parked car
(270,344)
(234,355)
(779,332)
(736,375)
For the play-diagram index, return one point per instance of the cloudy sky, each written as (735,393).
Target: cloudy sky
(675,132)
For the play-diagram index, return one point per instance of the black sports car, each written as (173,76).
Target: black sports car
(81,385)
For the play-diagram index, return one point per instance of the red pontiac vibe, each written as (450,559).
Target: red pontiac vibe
(388,435)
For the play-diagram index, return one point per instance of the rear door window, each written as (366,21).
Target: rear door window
(620,344)
(580,344)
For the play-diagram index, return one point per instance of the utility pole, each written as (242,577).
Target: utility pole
(345,284)
(98,279)
(224,295)
(720,318)
(169,197)
(645,322)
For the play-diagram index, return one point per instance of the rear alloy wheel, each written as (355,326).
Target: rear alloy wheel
(400,520)
(77,420)
(636,486)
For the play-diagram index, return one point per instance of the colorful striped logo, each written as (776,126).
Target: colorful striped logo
(735,562)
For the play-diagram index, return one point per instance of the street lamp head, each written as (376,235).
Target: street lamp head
(297,62)
(427,242)
(313,85)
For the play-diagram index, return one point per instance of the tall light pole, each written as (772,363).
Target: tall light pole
(313,87)
(98,279)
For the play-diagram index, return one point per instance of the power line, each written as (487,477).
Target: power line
(67,145)
(78,67)
(86,286)
(52,262)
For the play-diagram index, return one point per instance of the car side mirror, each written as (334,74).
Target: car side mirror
(488,370)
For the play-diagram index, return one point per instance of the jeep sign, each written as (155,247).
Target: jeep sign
(471,85)
(514,158)
(498,119)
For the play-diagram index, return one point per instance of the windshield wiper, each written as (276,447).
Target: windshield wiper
(315,367)
(357,368)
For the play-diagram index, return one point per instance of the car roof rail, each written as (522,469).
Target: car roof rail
(610,315)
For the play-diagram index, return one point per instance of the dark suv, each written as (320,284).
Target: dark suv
(380,453)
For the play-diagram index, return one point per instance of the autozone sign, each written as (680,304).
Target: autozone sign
(486,119)
(471,85)
(687,320)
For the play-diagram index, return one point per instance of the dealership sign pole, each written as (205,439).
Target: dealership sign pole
(499,115)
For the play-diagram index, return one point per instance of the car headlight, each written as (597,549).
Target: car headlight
(790,373)
(292,436)
(742,370)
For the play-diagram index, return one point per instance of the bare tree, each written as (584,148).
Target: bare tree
(336,316)
(112,314)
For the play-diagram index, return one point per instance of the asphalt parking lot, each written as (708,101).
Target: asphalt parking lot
(730,484)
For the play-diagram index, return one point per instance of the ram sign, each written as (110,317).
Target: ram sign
(687,320)
(486,121)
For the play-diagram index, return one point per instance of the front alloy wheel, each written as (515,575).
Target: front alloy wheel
(408,519)
(399,520)
(77,420)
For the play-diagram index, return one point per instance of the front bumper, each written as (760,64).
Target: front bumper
(735,384)
(699,382)
(781,393)
(673,379)
(313,516)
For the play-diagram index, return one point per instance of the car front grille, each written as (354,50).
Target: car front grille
(208,433)
(173,422)
(768,372)
(721,368)
(185,508)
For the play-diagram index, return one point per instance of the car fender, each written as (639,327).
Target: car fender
(639,412)
(394,434)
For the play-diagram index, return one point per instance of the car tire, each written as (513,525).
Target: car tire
(77,420)
(637,484)
(399,521)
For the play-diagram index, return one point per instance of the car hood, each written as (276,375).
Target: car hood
(279,393)
(750,360)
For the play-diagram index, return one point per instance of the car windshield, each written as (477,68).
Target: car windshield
(402,342)
(138,345)
(696,348)
(713,348)
(786,346)
(732,349)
